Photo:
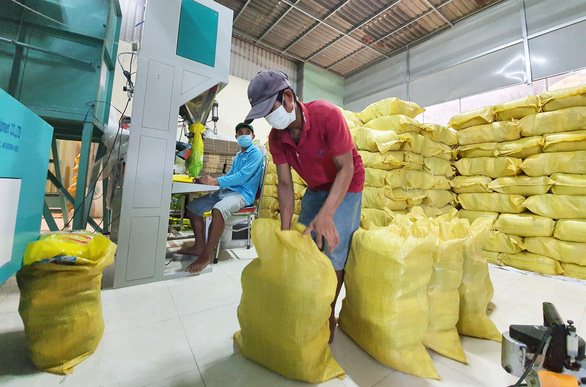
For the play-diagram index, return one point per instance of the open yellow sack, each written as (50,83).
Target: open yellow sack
(532,262)
(525,225)
(391,160)
(442,292)
(557,206)
(489,166)
(521,148)
(376,140)
(473,215)
(503,243)
(571,230)
(565,142)
(574,271)
(485,149)
(386,310)
(564,120)
(492,202)
(60,304)
(471,184)
(517,109)
(495,132)
(522,185)
(546,164)
(285,305)
(564,98)
(438,167)
(390,107)
(439,133)
(563,251)
(415,142)
(567,184)
(397,123)
(476,289)
(476,117)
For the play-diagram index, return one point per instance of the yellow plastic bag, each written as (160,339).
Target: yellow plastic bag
(471,184)
(566,184)
(183,179)
(495,132)
(439,133)
(564,98)
(476,289)
(517,109)
(503,243)
(574,271)
(415,142)
(386,310)
(571,230)
(489,166)
(476,117)
(266,213)
(439,198)
(485,149)
(525,225)
(285,305)
(372,218)
(564,120)
(390,107)
(438,167)
(397,123)
(569,252)
(522,148)
(522,185)
(194,162)
(391,160)
(565,142)
(473,215)
(60,304)
(546,164)
(532,262)
(376,140)
(557,206)
(492,202)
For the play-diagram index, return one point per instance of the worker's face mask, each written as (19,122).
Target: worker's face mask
(280,118)
(244,140)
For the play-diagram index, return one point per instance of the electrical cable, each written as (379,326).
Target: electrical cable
(543,345)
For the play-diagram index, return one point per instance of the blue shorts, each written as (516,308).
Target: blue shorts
(224,200)
(346,220)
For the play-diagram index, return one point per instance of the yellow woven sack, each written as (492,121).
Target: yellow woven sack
(438,198)
(438,167)
(522,148)
(397,123)
(386,310)
(296,178)
(473,215)
(517,109)
(390,107)
(375,177)
(271,179)
(285,305)
(525,225)
(565,142)
(408,179)
(486,149)
(442,292)
(270,190)
(373,197)
(492,257)
(476,117)
(433,212)
(372,218)
(413,197)
(495,132)
(574,271)
(563,251)
(439,133)
(503,243)
(391,160)
(566,184)
(440,182)
(471,184)
(557,206)
(271,168)
(564,120)
(489,166)
(60,304)
(351,117)
(476,289)
(269,203)
(266,213)
(425,147)
(564,98)
(546,164)
(532,262)
(377,140)
(572,230)
(492,202)
(522,185)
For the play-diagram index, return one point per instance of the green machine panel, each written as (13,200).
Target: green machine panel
(198,33)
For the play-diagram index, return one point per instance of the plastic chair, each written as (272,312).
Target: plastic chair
(252,211)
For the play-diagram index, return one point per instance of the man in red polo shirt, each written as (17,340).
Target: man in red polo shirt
(314,139)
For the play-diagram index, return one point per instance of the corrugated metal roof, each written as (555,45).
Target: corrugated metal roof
(344,35)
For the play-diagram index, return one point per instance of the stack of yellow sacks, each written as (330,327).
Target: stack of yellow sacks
(510,157)
(407,164)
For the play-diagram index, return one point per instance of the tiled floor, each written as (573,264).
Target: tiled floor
(178,333)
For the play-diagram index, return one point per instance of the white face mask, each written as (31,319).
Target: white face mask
(280,119)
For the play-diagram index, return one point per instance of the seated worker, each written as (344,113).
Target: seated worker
(238,189)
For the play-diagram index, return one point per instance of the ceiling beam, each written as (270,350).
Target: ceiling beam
(438,12)
(277,21)
(240,12)
(268,46)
